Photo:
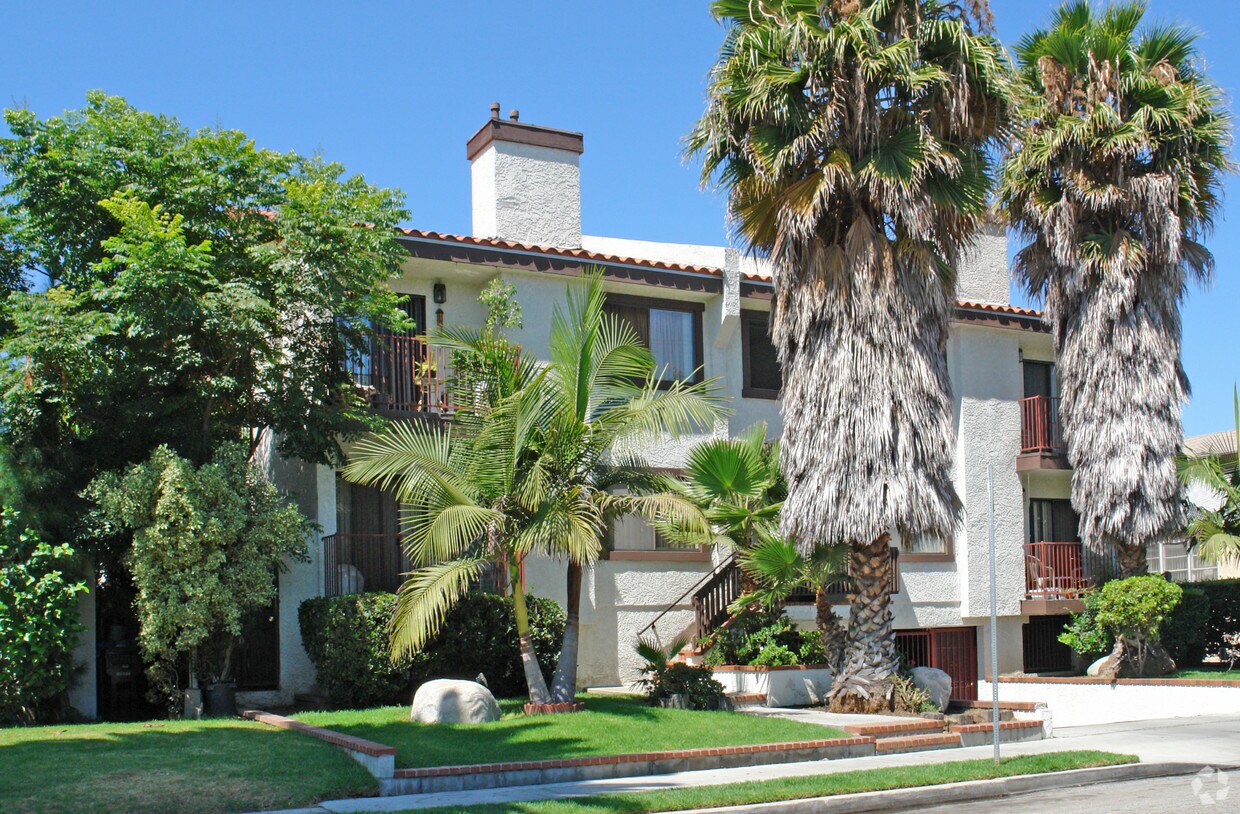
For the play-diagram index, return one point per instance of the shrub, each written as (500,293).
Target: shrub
(207,543)
(1185,630)
(908,697)
(1224,614)
(347,640)
(753,632)
(1133,608)
(696,685)
(38,622)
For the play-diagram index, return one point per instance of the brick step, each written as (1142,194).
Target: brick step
(916,743)
(747,699)
(1009,732)
(897,726)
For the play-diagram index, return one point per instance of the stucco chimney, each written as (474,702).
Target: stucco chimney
(526,182)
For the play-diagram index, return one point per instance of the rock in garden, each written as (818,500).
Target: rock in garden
(935,683)
(448,701)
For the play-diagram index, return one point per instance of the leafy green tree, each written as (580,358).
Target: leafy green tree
(1114,179)
(38,621)
(852,138)
(1127,613)
(194,289)
(207,544)
(542,462)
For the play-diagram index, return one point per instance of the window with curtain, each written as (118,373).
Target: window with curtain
(1052,521)
(671,334)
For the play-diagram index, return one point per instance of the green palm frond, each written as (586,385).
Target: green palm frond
(426,598)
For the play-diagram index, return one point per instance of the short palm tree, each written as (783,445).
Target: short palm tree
(851,137)
(534,464)
(778,567)
(1114,180)
(1215,532)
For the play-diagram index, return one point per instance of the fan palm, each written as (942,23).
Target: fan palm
(534,465)
(1114,180)
(851,137)
(778,567)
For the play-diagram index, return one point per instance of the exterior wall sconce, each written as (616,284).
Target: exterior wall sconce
(439,317)
(440,293)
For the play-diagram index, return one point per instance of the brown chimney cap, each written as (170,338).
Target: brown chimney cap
(518,132)
(514,114)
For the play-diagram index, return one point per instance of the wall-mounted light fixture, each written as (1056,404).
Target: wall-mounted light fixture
(440,293)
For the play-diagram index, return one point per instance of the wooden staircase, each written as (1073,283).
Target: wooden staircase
(712,595)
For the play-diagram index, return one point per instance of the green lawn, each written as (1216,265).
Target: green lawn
(1219,673)
(794,788)
(610,725)
(170,767)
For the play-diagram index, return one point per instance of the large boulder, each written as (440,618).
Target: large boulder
(448,701)
(1121,663)
(935,683)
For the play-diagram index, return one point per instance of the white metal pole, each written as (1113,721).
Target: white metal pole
(994,618)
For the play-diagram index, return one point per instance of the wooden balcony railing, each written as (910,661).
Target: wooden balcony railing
(1065,570)
(1040,430)
(360,563)
(405,375)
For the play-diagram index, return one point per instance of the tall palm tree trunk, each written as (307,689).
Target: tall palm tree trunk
(1122,388)
(564,684)
(534,678)
(834,634)
(864,682)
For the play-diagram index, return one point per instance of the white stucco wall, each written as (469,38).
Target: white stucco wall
(84,695)
(1080,704)
(982,274)
(526,193)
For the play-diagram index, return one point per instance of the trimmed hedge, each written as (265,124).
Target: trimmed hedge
(1208,612)
(346,638)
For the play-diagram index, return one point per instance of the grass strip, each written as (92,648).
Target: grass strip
(796,788)
(609,725)
(170,767)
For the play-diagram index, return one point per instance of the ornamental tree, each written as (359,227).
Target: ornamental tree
(192,289)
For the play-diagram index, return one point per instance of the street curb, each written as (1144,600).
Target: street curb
(969,791)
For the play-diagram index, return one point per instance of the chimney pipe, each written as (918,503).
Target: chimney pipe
(494,110)
(514,114)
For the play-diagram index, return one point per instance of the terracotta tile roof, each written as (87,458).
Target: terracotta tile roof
(580,254)
(707,271)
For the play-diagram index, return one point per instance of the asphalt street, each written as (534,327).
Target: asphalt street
(1165,795)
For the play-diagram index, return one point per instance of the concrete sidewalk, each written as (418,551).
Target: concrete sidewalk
(1213,740)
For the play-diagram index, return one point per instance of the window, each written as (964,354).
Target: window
(925,548)
(763,377)
(631,538)
(1040,379)
(1052,521)
(671,330)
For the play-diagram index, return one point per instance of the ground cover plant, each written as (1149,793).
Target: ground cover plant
(170,767)
(795,788)
(609,725)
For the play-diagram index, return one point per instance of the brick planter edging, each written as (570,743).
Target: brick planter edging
(334,738)
(1015,706)
(1136,682)
(535,772)
(377,758)
(961,728)
(745,668)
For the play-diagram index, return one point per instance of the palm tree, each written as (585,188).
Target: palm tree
(778,568)
(851,137)
(1215,532)
(1114,180)
(535,464)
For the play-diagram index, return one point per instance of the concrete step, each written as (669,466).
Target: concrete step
(896,726)
(747,699)
(917,743)
(1009,732)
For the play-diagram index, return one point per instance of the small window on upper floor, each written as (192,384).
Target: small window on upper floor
(925,548)
(763,377)
(671,330)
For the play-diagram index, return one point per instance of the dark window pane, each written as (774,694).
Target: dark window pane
(1039,377)
(763,372)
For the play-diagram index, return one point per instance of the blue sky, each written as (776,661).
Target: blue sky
(393,90)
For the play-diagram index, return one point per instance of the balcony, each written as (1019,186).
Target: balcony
(1058,574)
(405,376)
(361,563)
(1042,444)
